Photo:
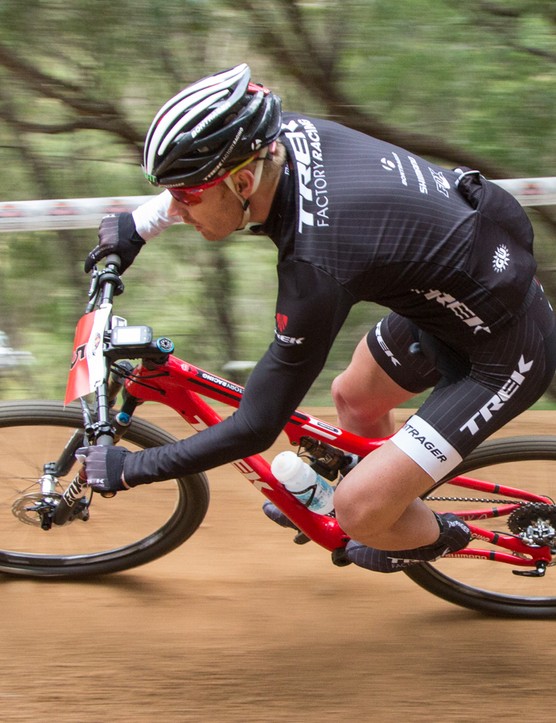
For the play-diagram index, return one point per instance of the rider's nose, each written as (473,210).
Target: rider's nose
(180,209)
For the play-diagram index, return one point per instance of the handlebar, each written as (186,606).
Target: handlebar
(119,342)
(107,283)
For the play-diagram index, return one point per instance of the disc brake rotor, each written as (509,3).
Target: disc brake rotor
(30,508)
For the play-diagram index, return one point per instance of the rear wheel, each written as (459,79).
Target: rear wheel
(132,528)
(528,463)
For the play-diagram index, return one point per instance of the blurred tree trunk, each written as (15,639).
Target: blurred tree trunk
(218,283)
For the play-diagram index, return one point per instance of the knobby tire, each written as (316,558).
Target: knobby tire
(143,524)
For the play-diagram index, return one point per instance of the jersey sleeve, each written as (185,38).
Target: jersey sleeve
(311,309)
(153,216)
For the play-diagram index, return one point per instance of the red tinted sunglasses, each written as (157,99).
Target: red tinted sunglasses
(192,196)
(187,196)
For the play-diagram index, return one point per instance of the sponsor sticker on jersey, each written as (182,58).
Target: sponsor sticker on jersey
(501,258)
(281,326)
(426,447)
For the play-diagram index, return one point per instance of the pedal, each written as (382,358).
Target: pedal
(339,557)
(301,539)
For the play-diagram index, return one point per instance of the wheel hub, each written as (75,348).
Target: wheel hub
(38,509)
(34,509)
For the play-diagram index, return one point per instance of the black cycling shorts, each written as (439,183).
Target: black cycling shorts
(475,391)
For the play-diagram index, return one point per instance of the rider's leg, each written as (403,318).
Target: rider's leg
(378,505)
(377,502)
(365,395)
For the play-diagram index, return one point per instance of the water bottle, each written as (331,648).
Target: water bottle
(301,480)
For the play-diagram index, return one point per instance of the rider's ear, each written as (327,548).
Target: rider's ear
(245,181)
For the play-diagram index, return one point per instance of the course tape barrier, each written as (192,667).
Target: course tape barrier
(71,213)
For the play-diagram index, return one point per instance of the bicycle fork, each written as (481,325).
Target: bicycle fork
(72,503)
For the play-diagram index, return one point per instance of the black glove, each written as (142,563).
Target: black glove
(116,235)
(104,467)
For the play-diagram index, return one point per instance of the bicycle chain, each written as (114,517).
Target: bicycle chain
(484,500)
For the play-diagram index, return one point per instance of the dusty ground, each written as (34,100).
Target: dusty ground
(242,625)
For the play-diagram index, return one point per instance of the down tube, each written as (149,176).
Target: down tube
(180,388)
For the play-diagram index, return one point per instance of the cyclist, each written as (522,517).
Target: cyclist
(353,219)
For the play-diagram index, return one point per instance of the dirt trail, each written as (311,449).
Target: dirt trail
(241,625)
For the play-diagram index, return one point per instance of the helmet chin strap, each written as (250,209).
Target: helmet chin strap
(245,203)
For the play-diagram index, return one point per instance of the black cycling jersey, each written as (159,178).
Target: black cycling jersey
(357,219)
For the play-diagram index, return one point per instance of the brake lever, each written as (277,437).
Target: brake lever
(93,289)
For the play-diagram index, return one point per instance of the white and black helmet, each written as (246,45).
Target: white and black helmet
(212,125)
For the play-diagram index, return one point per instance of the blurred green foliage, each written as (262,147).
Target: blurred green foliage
(459,82)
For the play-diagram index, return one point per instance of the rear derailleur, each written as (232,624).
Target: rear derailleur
(535,524)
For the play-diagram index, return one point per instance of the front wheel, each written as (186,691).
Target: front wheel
(132,528)
(527,463)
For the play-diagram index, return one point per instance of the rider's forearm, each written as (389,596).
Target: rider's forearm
(152,217)
(221,444)
(273,391)
(275,388)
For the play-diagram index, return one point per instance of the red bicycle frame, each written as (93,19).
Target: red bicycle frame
(181,386)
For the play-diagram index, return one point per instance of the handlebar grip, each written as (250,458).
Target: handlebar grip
(115,260)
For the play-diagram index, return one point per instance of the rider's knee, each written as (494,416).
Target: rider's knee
(337,391)
(360,411)
(349,399)
(357,518)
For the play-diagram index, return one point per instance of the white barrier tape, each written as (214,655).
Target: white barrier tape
(531,191)
(68,213)
(63,213)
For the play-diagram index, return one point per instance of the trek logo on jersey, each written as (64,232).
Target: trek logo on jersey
(313,187)
(496,402)
(384,346)
(461,310)
(281,325)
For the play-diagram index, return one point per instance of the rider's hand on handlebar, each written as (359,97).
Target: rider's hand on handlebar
(104,467)
(116,235)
